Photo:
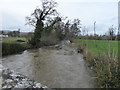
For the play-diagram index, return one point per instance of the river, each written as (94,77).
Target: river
(63,68)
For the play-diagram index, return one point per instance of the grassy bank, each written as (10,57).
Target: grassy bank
(13,45)
(102,56)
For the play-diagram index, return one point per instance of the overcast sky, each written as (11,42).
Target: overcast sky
(104,12)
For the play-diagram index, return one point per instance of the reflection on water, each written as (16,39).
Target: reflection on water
(54,68)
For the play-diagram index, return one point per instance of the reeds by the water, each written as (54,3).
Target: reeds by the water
(105,65)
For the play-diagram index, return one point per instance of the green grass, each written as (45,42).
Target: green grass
(99,46)
(13,40)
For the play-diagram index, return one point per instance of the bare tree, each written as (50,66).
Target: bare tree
(51,24)
(45,13)
(72,28)
(84,30)
(111,32)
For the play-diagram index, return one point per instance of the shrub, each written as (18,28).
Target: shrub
(49,39)
(12,48)
(106,68)
(34,43)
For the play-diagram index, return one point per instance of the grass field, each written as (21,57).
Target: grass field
(14,40)
(99,46)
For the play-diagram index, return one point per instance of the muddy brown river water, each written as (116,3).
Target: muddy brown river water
(63,68)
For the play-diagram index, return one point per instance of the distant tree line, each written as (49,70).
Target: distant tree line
(100,37)
(16,33)
(109,35)
(11,33)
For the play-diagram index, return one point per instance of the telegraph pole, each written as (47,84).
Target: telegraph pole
(94,28)
(94,34)
(118,34)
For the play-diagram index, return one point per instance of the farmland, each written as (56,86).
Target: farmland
(14,40)
(99,46)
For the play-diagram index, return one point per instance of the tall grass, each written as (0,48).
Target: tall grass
(103,57)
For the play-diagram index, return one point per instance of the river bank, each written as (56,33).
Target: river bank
(13,80)
(16,45)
